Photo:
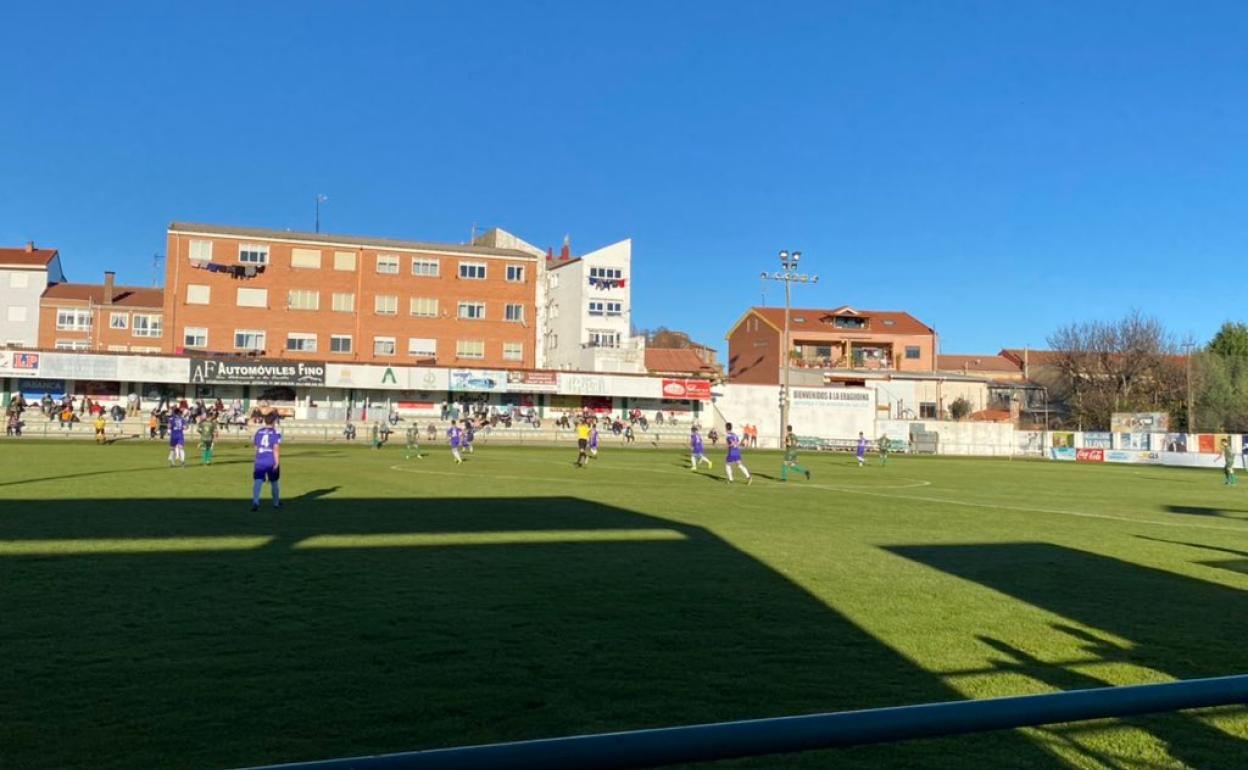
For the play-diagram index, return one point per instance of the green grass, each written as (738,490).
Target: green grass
(149,620)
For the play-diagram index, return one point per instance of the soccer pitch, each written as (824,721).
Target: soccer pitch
(150,620)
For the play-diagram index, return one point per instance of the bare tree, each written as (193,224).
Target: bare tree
(1119,366)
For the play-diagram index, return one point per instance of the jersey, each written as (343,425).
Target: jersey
(266,441)
(1228,457)
(862,446)
(456,435)
(593,438)
(695,443)
(177,426)
(208,431)
(582,432)
(413,436)
(734,447)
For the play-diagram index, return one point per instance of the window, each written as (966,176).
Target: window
(469,349)
(513,351)
(424,307)
(344,260)
(388,264)
(515,273)
(418,347)
(927,410)
(603,339)
(195,337)
(611,273)
(201,251)
(144,349)
(73,320)
(146,325)
(252,298)
(301,343)
(73,345)
(306,258)
(472,311)
(472,270)
(849,322)
(117,348)
(119,320)
(17,313)
(19,280)
(344,303)
(303,299)
(598,307)
(383,346)
(340,343)
(912,352)
(425,267)
(198,294)
(253,254)
(515,313)
(386,304)
(247,339)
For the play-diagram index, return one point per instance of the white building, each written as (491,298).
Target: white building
(24,275)
(589,312)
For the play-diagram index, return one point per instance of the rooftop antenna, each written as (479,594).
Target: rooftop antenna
(157,270)
(472,234)
(319,200)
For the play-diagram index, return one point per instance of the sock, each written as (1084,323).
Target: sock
(784,471)
(800,469)
(744,470)
(209,454)
(277,492)
(693,461)
(728,468)
(256,486)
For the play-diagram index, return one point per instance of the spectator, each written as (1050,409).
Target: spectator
(628,435)
(713,436)
(163,425)
(152,422)
(132,404)
(12,426)
(348,432)
(658,417)
(46,404)
(118,413)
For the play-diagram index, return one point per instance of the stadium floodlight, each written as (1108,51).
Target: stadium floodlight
(789,276)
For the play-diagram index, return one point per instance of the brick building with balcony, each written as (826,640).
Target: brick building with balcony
(346,299)
(828,346)
(102,318)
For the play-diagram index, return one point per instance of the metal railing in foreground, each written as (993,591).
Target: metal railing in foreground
(759,737)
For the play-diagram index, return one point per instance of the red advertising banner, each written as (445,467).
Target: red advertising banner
(687,390)
(1090,455)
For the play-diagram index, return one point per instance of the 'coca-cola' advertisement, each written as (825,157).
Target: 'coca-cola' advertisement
(687,390)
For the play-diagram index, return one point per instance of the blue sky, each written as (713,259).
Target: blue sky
(997,169)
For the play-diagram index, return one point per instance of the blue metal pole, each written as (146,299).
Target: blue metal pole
(729,740)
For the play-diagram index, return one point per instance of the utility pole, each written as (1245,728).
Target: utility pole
(156,270)
(1187,354)
(789,275)
(319,200)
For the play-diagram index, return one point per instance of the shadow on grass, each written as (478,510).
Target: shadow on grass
(1180,626)
(1200,510)
(449,631)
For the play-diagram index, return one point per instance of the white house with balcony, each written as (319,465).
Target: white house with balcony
(24,275)
(589,312)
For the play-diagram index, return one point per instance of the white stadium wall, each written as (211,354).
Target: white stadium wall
(835,413)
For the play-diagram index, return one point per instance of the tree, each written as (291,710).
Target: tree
(1231,340)
(663,337)
(960,408)
(1119,366)
(1220,381)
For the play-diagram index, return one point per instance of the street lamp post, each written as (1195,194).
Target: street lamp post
(319,200)
(789,275)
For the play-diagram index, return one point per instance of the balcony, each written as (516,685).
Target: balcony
(865,357)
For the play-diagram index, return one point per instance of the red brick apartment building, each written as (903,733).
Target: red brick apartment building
(102,317)
(841,344)
(311,296)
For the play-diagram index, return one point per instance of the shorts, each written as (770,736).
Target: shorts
(790,455)
(582,443)
(177,439)
(269,473)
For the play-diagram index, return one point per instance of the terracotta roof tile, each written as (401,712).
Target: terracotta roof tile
(261,233)
(976,363)
(676,360)
(123,296)
(878,321)
(35,258)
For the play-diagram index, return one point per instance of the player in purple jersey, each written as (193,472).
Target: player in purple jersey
(177,439)
(861,451)
(268,444)
(734,455)
(593,440)
(456,435)
(696,452)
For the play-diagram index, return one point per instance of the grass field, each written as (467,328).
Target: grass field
(149,620)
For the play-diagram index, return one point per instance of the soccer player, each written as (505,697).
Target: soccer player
(413,442)
(861,451)
(790,456)
(177,439)
(100,425)
(375,435)
(593,440)
(696,452)
(733,441)
(207,437)
(1228,463)
(469,435)
(456,435)
(882,447)
(268,444)
(582,443)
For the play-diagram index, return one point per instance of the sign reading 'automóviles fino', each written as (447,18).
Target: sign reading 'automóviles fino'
(205,371)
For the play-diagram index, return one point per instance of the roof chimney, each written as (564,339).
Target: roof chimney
(30,247)
(566,252)
(108,286)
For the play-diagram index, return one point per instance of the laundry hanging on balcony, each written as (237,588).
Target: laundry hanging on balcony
(236,271)
(607,283)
